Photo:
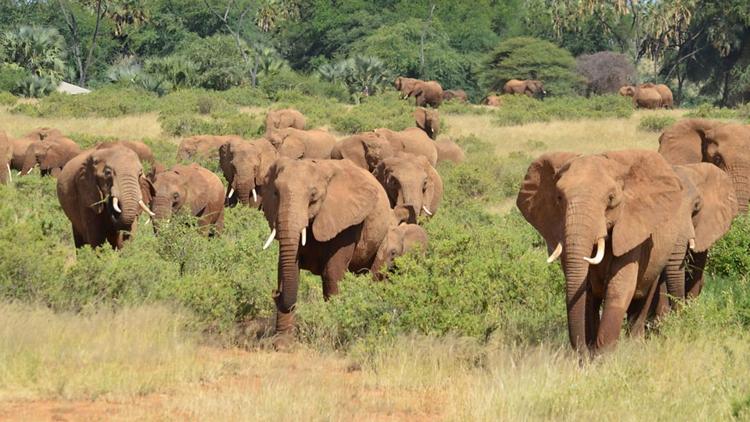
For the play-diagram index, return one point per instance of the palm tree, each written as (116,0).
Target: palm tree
(39,50)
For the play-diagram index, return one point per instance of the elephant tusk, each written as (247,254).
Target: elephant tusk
(115,205)
(304,236)
(19,173)
(270,239)
(10,173)
(424,208)
(231,193)
(691,244)
(147,222)
(30,170)
(145,208)
(599,253)
(255,196)
(555,254)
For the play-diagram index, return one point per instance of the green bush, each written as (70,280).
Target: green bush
(656,123)
(729,257)
(111,101)
(241,124)
(520,109)
(7,99)
(381,111)
(708,111)
(215,62)
(11,76)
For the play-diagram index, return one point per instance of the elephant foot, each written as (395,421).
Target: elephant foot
(283,340)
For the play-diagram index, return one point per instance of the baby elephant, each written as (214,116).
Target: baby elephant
(194,189)
(399,241)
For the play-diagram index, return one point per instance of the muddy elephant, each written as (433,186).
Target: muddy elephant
(623,207)
(6,156)
(405,85)
(400,240)
(428,120)
(449,151)
(365,150)
(667,99)
(245,166)
(427,93)
(102,192)
(50,155)
(458,95)
(528,87)
(193,189)
(202,147)
(411,182)
(411,140)
(329,216)
(142,150)
(493,101)
(295,143)
(284,118)
(642,97)
(727,146)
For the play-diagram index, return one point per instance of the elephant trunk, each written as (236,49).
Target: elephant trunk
(162,208)
(675,274)
(243,190)
(129,196)
(288,229)
(741,181)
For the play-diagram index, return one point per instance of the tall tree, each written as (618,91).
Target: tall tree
(99,8)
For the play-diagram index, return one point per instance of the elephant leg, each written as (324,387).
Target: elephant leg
(639,310)
(694,277)
(338,262)
(78,239)
(618,296)
(660,304)
(593,306)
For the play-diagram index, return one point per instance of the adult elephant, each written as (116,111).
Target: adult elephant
(727,146)
(366,150)
(428,120)
(193,189)
(50,155)
(400,240)
(284,118)
(427,93)
(528,87)
(412,183)
(102,192)
(621,205)
(6,155)
(295,143)
(667,100)
(202,146)
(405,85)
(142,150)
(412,140)
(21,145)
(642,97)
(458,95)
(329,216)
(245,166)
(449,151)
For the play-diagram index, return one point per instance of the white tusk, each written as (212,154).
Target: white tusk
(270,239)
(19,173)
(555,254)
(231,193)
(30,170)
(145,208)
(147,221)
(304,236)
(691,244)
(115,205)
(599,253)
(10,173)
(255,196)
(424,208)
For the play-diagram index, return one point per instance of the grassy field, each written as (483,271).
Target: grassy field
(149,362)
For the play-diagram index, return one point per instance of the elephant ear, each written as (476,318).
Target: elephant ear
(718,205)
(434,192)
(270,203)
(268,156)
(651,194)
(537,199)
(413,236)
(225,161)
(88,190)
(685,141)
(147,189)
(292,147)
(351,196)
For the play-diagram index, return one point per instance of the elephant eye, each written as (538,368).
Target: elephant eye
(612,200)
(107,172)
(176,195)
(717,159)
(393,252)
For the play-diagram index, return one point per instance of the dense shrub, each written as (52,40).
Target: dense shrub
(708,111)
(729,257)
(519,109)
(605,72)
(375,112)
(245,125)
(217,62)
(11,76)
(7,99)
(112,101)
(656,123)
(287,81)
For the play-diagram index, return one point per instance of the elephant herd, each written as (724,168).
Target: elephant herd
(649,219)
(649,95)
(430,93)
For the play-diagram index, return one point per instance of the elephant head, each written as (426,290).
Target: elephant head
(44,133)
(50,155)
(410,181)
(428,121)
(400,240)
(579,203)
(172,192)
(535,88)
(627,91)
(112,182)
(284,118)
(727,146)
(245,166)
(366,150)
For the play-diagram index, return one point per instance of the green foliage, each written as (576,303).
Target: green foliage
(11,76)
(112,101)
(217,60)
(383,111)
(520,109)
(361,75)
(35,87)
(656,123)
(708,111)
(729,257)
(532,58)
(7,99)
(40,50)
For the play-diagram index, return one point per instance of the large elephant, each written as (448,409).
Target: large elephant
(427,93)
(399,241)
(365,150)
(643,97)
(458,95)
(329,216)
(428,120)
(405,85)
(412,140)
(245,166)
(6,155)
(202,146)
(667,99)
(194,189)
(621,205)
(102,192)
(142,150)
(284,118)
(295,143)
(50,155)
(449,151)
(727,146)
(528,87)
(411,182)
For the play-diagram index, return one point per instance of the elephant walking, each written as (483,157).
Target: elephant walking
(427,93)
(643,96)
(428,120)
(405,85)
(528,87)
(245,166)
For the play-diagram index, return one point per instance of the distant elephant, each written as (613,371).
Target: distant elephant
(245,166)
(623,206)
(411,182)
(405,85)
(329,216)
(411,140)
(50,155)
(427,93)
(642,97)
(102,192)
(528,87)
(284,118)
(428,120)
(142,150)
(400,240)
(493,101)
(458,95)
(6,155)
(727,146)
(449,151)
(21,145)
(43,133)
(295,143)
(667,100)
(365,150)
(194,189)
(202,146)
